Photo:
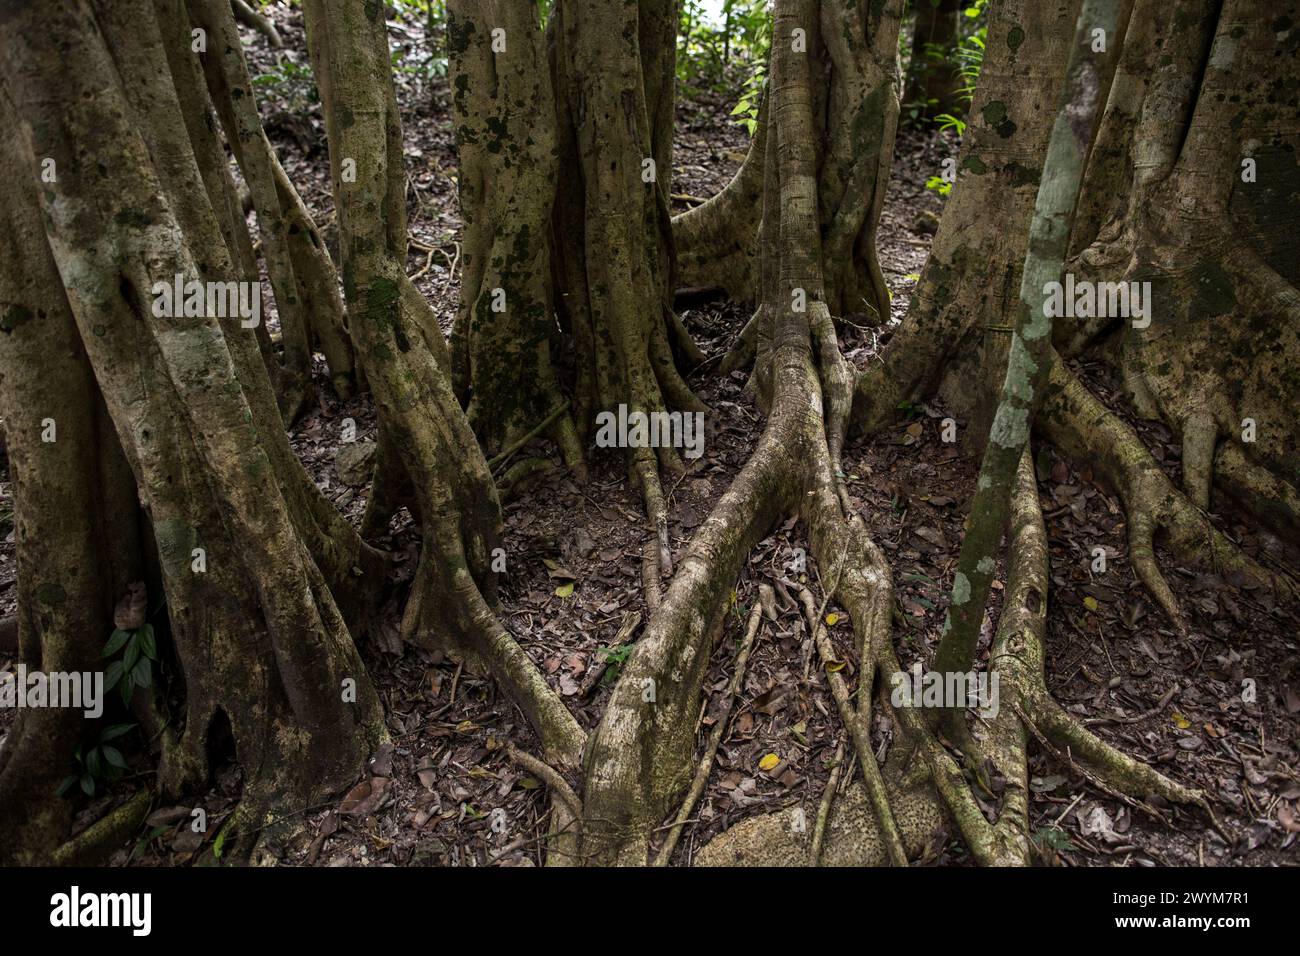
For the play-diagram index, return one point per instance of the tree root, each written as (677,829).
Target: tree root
(1272,501)
(559,786)
(92,845)
(723,721)
(1074,420)
(858,730)
(942,792)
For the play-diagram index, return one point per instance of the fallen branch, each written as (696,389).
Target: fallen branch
(824,811)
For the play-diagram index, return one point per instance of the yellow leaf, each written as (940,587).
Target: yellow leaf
(831,619)
(1090,603)
(564,590)
(768,762)
(465,726)
(1181,722)
(834,666)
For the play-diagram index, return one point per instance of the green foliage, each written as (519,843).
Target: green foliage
(98,765)
(1052,838)
(939,185)
(614,658)
(292,83)
(750,98)
(729,56)
(967,59)
(970,51)
(135,667)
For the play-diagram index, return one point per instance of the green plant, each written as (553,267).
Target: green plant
(614,658)
(726,53)
(750,98)
(970,51)
(292,83)
(1052,838)
(99,765)
(135,667)
(939,185)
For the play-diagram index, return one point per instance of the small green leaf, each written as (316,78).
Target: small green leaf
(113,674)
(131,654)
(148,646)
(114,757)
(115,642)
(564,590)
(142,673)
(113,731)
(87,784)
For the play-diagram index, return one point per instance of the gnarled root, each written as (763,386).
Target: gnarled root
(1074,420)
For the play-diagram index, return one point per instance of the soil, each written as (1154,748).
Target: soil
(452,796)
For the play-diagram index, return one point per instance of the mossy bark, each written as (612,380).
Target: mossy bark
(852,51)
(406,362)
(250,618)
(502,105)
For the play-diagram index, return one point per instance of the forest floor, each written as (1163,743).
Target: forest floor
(574,571)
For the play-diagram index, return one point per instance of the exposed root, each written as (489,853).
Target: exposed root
(721,723)
(263,25)
(92,845)
(1079,424)
(1274,502)
(1199,435)
(647,477)
(559,786)
(740,353)
(858,730)
(650,576)
(1111,770)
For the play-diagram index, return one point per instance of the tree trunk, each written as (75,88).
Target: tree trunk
(853,58)
(125,211)
(931,78)
(406,362)
(502,105)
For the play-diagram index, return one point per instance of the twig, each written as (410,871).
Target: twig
(824,811)
(1164,701)
(537,429)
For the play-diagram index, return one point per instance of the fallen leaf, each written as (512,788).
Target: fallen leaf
(768,762)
